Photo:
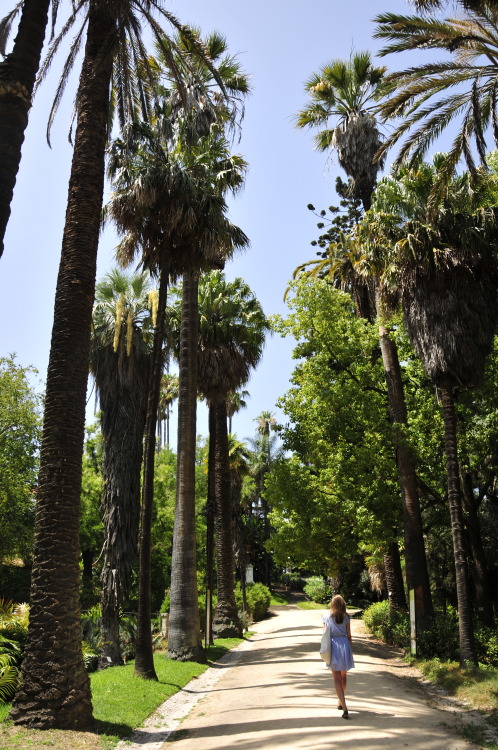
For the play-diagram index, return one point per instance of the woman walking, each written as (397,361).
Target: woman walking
(342,656)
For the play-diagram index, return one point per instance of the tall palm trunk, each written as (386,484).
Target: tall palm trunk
(184,635)
(210,514)
(17,77)
(226,623)
(123,422)
(53,656)
(144,657)
(417,576)
(467,646)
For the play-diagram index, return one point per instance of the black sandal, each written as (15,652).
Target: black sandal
(339,707)
(345,714)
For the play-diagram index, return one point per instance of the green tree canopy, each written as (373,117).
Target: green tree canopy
(20,427)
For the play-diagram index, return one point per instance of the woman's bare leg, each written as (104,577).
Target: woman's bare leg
(339,689)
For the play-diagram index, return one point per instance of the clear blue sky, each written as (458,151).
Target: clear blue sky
(280,42)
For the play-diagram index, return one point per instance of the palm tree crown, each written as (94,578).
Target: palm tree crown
(444,268)
(345,92)
(232,331)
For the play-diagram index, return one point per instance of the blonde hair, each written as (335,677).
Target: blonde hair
(338,608)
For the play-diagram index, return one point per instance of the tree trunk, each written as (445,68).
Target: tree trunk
(394,578)
(184,638)
(144,655)
(17,77)
(467,646)
(226,623)
(363,302)
(479,567)
(210,514)
(123,423)
(417,576)
(56,691)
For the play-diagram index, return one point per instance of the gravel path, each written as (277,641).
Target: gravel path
(274,692)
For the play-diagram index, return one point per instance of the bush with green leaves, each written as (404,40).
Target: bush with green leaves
(258,599)
(318,590)
(389,625)
(486,645)
(442,640)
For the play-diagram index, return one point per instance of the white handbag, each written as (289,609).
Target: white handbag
(325,652)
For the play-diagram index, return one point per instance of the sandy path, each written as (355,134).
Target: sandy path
(276,693)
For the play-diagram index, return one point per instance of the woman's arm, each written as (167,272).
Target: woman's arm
(348,632)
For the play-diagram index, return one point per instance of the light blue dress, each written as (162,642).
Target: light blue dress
(342,656)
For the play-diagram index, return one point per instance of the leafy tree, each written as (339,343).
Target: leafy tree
(337,493)
(20,431)
(91,527)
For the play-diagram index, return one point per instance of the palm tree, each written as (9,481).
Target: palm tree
(235,402)
(264,451)
(429,5)
(168,394)
(239,458)
(345,92)
(231,337)
(17,79)
(183,192)
(120,359)
(447,281)
(428,97)
(344,259)
(53,651)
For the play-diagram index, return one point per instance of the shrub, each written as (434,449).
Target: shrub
(387,624)
(442,640)
(318,590)
(258,599)
(487,645)
(297,583)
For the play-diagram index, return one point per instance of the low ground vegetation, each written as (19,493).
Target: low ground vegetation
(438,661)
(121,702)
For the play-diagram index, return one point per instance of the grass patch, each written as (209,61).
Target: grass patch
(477,686)
(121,702)
(4,710)
(277,599)
(311,605)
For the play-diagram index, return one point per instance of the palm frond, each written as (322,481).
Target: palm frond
(6,25)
